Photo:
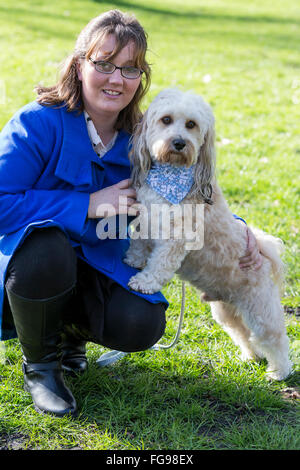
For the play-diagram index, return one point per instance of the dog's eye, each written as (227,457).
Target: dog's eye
(166,120)
(190,124)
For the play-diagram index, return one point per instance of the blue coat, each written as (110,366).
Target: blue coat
(48,168)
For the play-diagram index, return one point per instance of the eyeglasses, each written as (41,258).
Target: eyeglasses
(107,67)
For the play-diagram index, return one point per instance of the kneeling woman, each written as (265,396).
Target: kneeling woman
(63,157)
(63,162)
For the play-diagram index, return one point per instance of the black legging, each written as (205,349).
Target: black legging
(46,265)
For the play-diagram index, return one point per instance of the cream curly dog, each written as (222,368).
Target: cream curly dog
(177,132)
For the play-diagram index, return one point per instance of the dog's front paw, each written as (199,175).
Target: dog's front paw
(142,283)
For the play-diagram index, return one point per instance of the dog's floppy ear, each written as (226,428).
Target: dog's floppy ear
(139,155)
(205,166)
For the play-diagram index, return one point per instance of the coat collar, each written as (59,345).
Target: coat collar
(77,154)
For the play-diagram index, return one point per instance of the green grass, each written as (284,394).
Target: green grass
(244,59)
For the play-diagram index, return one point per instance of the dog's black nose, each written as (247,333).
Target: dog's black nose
(179,144)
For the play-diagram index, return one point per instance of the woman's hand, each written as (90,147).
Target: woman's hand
(252,259)
(115,199)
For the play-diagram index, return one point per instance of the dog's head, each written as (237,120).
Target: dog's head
(177,128)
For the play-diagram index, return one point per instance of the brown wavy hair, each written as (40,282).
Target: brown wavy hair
(67,91)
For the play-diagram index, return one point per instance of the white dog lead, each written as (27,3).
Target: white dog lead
(113,356)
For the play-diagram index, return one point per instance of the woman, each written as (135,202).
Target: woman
(63,160)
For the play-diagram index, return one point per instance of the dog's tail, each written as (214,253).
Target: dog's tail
(272,248)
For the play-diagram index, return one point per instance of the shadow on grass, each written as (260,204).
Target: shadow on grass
(152,402)
(202,13)
(169,410)
(27,17)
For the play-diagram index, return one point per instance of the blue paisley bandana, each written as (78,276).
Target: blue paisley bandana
(172,183)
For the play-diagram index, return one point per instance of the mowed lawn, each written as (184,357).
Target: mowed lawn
(244,59)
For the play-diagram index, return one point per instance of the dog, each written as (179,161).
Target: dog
(178,132)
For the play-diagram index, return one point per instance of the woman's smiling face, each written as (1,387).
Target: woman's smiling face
(105,95)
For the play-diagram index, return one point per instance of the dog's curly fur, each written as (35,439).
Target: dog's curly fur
(247,303)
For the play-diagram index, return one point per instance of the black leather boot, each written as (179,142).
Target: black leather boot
(38,324)
(73,358)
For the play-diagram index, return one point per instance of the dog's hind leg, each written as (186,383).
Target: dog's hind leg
(264,318)
(227,316)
